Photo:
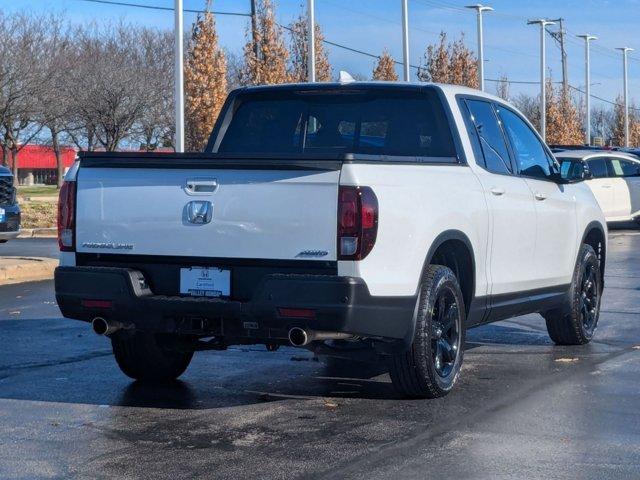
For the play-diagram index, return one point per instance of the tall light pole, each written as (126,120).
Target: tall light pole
(625,51)
(587,81)
(479,10)
(543,66)
(311,57)
(405,40)
(179,77)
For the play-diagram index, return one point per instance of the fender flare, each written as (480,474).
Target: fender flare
(443,237)
(595,225)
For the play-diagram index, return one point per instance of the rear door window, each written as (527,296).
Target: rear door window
(374,122)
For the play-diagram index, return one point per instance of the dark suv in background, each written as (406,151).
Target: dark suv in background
(9,209)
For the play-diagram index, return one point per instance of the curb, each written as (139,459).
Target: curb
(26,269)
(38,233)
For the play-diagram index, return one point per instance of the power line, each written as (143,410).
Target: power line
(157,7)
(433,3)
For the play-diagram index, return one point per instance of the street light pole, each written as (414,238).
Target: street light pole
(479,10)
(179,77)
(625,51)
(543,88)
(311,57)
(405,41)
(587,79)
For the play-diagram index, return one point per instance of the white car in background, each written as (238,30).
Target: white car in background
(615,180)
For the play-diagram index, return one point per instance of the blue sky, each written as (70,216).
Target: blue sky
(511,47)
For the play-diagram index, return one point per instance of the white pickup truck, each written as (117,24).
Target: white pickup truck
(384,215)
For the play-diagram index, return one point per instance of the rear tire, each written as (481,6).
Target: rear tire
(576,321)
(149,357)
(430,367)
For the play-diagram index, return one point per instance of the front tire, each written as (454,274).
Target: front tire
(575,322)
(430,367)
(149,357)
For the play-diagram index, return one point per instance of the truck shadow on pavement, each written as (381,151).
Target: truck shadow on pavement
(86,373)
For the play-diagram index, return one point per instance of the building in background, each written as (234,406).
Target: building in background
(37,164)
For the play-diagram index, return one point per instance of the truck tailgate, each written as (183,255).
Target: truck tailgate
(280,214)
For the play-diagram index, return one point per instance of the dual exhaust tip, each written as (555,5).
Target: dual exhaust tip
(298,337)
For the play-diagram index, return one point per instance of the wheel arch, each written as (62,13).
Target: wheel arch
(453,249)
(595,235)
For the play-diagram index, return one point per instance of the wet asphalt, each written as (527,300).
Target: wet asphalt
(523,408)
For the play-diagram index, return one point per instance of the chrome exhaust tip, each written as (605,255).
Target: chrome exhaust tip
(102,326)
(298,337)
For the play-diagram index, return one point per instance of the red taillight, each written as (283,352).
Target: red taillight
(67,217)
(87,303)
(297,313)
(357,222)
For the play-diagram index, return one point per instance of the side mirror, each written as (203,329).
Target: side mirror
(577,172)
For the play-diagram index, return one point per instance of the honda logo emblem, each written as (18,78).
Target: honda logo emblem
(199,212)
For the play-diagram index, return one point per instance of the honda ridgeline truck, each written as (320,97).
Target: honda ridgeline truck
(384,215)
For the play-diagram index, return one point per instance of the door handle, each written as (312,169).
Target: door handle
(497,191)
(540,196)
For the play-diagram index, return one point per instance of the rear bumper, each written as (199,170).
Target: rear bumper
(340,304)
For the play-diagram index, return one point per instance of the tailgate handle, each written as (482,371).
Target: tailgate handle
(201,186)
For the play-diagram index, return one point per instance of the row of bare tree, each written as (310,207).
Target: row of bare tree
(110,86)
(90,86)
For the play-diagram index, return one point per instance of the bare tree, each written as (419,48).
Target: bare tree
(502,88)
(529,106)
(156,126)
(53,103)
(299,48)
(603,123)
(235,70)
(110,88)
(385,68)
(21,81)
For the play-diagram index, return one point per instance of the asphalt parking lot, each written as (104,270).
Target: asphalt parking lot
(523,408)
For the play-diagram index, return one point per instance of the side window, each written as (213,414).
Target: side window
(625,168)
(598,167)
(491,138)
(532,157)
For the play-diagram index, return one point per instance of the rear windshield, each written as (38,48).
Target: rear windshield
(369,122)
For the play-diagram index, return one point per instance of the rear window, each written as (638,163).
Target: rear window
(389,123)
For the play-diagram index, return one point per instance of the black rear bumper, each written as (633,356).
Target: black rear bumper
(339,304)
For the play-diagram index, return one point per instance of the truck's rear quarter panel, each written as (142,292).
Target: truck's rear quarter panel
(417,203)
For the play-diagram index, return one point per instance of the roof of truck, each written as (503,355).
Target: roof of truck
(4,171)
(377,85)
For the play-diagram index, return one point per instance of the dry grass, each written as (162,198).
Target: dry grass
(39,214)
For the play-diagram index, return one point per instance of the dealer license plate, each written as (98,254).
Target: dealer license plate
(205,282)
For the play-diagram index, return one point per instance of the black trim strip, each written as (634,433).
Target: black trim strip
(509,305)
(203,161)
(82,258)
